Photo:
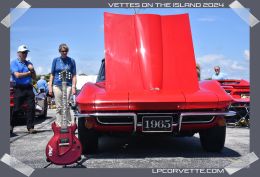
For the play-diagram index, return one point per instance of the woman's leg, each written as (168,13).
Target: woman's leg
(58,102)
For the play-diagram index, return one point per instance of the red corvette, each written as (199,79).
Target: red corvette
(240,92)
(148,84)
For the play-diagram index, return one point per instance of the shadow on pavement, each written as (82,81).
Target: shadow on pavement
(155,146)
(20,121)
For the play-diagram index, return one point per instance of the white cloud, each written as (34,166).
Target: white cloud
(88,66)
(247,55)
(231,67)
(39,70)
(236,66)
(210,58)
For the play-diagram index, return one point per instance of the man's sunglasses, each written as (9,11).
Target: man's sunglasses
(24,52)
(64,51)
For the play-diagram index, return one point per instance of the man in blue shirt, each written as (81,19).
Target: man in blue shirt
(22,74)
(42,85)
(218,75)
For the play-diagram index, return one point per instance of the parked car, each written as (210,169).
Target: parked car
(148,84)
(41,105)
(239,90)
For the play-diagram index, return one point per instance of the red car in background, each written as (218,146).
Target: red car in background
(239,90)
(148,84)
(41,105)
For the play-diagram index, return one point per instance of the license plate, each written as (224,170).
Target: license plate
(157,123)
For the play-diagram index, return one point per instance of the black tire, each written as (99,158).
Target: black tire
(213,139)
(11,113)
(87,137)
(11,119)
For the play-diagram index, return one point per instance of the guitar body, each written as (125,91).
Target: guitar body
(64,148)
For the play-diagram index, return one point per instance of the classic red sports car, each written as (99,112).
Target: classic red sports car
(240,93)
(148,84)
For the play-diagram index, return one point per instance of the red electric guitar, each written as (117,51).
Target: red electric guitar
(64,148)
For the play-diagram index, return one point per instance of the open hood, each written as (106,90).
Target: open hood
(149,53)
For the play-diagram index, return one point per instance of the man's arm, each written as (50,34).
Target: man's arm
(32,71)
(21,75)
(15,71)
(33,74)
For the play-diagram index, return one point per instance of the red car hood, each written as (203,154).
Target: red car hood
(150,64)
(147,53)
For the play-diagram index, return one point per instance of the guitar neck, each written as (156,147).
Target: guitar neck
(64,101)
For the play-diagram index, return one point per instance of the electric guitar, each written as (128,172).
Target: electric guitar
(64,148)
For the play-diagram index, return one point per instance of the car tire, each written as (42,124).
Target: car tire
(213,139)
(11,114)
(87,137)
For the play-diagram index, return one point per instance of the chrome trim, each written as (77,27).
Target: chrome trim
(240,106)
(78,115)
(200,122)
(155,113)
(229,113)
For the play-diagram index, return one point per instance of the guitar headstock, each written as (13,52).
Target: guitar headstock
(64,75)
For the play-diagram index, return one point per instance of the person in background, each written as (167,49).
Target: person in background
(59,64)
(218,75)
(22,74)
(42,85)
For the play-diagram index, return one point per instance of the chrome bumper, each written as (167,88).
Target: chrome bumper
(134,116)
(229,113)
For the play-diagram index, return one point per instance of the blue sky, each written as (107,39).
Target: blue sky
(220,37)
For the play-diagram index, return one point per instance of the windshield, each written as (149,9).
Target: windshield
(101,74)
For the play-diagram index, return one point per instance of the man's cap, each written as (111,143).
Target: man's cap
(23,48)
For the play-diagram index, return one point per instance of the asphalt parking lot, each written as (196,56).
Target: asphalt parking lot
(132,151)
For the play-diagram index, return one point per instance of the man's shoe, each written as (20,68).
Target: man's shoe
(32,131)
